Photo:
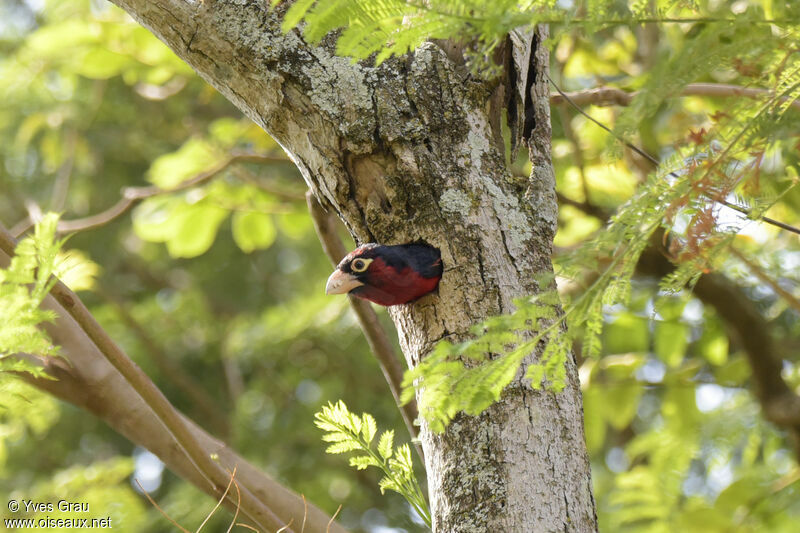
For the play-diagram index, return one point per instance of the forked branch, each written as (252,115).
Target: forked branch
(103,380)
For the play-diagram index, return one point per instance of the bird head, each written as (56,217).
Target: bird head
(387,275)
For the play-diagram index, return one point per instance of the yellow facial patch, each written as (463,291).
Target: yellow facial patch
(359,265)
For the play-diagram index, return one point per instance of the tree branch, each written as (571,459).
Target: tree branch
(102,379)
(199,397)
(132,195)
(324,223)
(608,96)
(61,185)
(778,401)
(758,272)
(586,207)
(652,159)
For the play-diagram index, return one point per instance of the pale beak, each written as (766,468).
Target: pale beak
(341,282)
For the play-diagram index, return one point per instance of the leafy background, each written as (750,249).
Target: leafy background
(216,290)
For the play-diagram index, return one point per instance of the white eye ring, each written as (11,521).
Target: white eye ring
(360,265)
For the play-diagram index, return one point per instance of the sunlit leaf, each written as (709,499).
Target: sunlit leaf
(670,342)
(194,157)
(253,231)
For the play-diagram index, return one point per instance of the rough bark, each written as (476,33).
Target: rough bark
(406,151)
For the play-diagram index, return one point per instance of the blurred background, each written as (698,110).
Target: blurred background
(216,291)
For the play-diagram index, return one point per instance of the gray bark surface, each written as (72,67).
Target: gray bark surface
(406,151)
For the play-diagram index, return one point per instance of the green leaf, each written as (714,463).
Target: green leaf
(100,64)
(252,231)
(594,421)
(76,270)
(296,226)
(361,462)
(153,219)
(735,372)
(402,457)
(335,436)
(342,447)
(23,287)
(57,39)
(713,343)
(228,131)
(368,427)
(387,483)
(196,228)
(620,402)
(705,519)
(187,229)
(626,333)
(671,339)
(740,493)
(14,365)
(386,443)
(194,157)
(350,432)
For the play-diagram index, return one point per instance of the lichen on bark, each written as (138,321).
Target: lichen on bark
(408,151)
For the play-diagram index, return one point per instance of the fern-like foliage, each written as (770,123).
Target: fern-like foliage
(23,286)
(682,199)
(395,27)
(472,375)
(349,432)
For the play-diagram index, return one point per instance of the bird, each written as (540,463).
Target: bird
(388,275)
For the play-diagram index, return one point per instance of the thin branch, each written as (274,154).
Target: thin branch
(758,272)
(608,96)
(374,332)
(303,528)
(286,527)
(569,133)
(238,501)
(199,397)
(160,510)
(213,473)
(633,21)
(780,404)
(586,207)
(61,185)
(653,20)
(248,177)
(219,502)
(649,157)
(133,195)
(328,529)
(34,214)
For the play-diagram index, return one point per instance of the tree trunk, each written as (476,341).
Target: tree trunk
(407,151)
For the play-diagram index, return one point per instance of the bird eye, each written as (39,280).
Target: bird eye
(360,265)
